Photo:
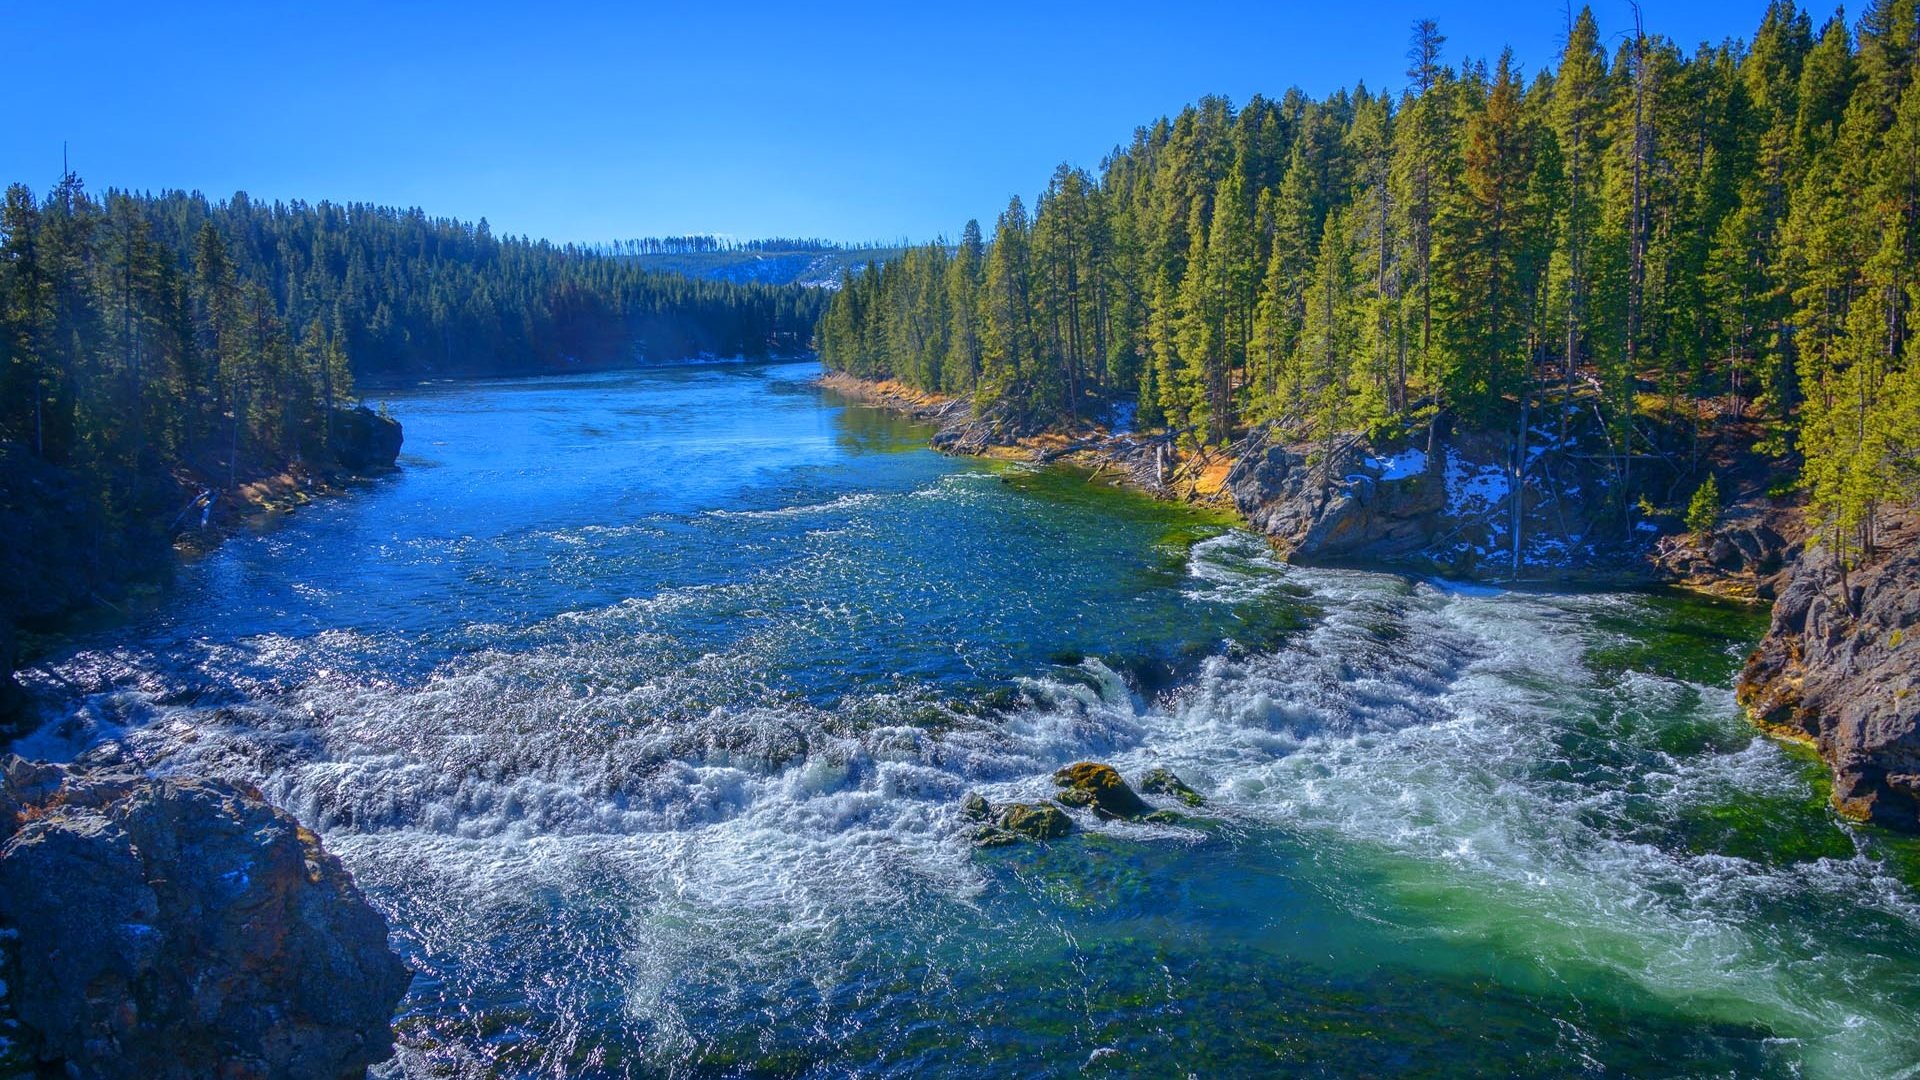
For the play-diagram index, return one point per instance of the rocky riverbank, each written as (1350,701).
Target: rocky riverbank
(61,553)
(1458,504)
(172,928)
(1839,668)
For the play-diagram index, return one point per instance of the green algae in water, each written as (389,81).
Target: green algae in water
(1150,974)
(1067,484)
(1680,635)
(871,429)
(1772,828)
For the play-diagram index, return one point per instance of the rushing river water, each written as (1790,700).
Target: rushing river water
(643,705)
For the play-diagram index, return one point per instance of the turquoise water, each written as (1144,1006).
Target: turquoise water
(643,703)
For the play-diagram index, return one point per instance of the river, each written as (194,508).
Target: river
(643,704)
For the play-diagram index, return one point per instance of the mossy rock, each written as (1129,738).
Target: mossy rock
(1103,788)
(1035,821)
(987,836)
(974,807)
(1163,782)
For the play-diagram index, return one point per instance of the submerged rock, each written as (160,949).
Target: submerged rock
(1089,783)
(182,928)
(1840,669)
(1162,782)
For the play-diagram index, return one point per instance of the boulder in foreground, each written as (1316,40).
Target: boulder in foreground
(181,928)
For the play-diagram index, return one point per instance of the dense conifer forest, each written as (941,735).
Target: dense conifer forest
(1679,243)
(143,330)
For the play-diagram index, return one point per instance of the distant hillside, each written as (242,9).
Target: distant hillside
(767,262)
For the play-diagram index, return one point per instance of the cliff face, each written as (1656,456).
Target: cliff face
(1448,506)
(1443,505)
(1344,504)
(1840,668)
(181,928)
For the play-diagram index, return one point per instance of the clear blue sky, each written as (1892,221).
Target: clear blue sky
(587,121)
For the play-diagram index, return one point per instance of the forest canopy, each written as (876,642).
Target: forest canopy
(1717,237)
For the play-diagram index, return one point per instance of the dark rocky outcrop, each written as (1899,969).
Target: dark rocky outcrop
(1840,669)
(1335,504)
(364,441)
(1445,503)
(182,928)
(1746,557)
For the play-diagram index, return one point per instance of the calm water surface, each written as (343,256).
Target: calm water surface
(642,705)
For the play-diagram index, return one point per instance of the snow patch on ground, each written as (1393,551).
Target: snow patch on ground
(1544,550)
(1400,466)
(1474,490)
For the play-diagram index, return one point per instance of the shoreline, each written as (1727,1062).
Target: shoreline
(1205,479)
(1117,456)
(372,384)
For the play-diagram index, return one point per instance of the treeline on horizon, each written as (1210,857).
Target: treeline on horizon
(707,244)
(1671,241)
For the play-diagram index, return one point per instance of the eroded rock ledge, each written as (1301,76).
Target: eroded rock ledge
(1840,669)
(181,928)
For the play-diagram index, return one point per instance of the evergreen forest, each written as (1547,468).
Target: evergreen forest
(1673,245)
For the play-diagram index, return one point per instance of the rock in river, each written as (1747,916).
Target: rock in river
(1089,783)
(364,440)
(175,928)
(1163,782)
(1010,823)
